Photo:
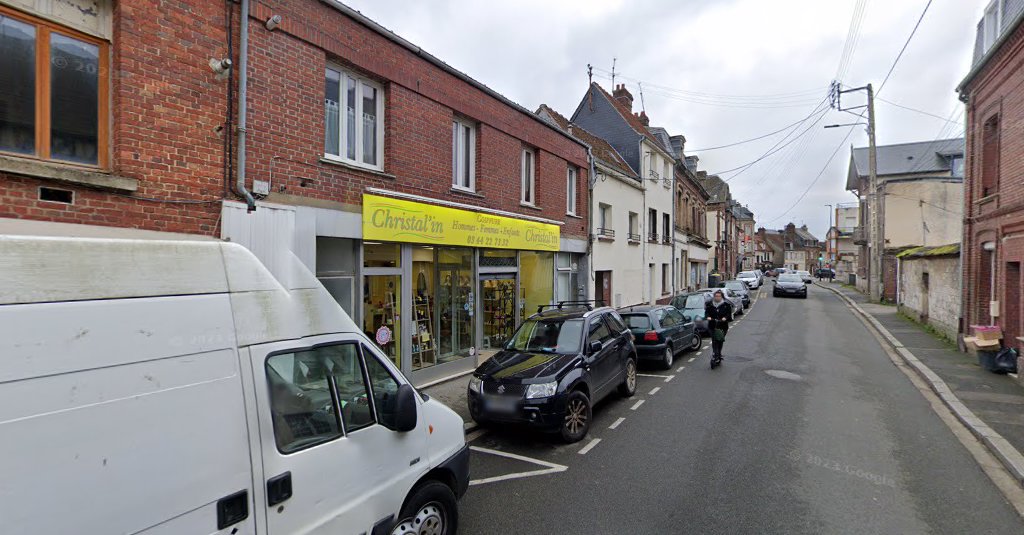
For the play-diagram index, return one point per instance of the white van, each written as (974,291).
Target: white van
(178,387)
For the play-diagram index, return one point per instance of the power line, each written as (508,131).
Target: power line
(904,49)
(743,168)
(815,181)
(922,112)
(787,127)
(718,96)
(852,38)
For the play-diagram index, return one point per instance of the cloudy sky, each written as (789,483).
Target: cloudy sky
(718,72)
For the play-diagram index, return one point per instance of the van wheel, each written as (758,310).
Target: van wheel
(577,417)
(430,510)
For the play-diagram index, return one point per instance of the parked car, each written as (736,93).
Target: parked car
(751,278)
(660,332)
(691,305)
(790,284)
(805,276)
(741,289)
(556,366)
(197,391)
(731,296)
(825,273)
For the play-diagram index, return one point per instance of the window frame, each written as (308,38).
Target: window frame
(571,178)
(530,200)
(360,80)
(457,142)
(43,90)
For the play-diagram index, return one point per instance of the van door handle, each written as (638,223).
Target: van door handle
(232,509)
(279,489)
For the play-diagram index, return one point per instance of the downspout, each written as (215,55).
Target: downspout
(591,183)
(672,229)
(243,81)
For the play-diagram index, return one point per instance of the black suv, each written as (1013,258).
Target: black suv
(558,364)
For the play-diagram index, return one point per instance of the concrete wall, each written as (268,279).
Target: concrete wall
(939,305)
(923,212)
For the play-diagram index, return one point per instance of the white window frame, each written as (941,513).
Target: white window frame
(531,199)
(571,177)
(994,13)
(459,127)
(342,155)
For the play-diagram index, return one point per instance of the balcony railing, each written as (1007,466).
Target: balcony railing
(606,233)
(652,237)
(633,237)
(860,236)
(666,240)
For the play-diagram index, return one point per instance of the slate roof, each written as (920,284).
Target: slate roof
(627,116)
(923,158)
(718,190)
(598,147)
(666,140)
(1013,14)
(805,235)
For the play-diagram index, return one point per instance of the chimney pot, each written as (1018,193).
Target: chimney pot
(623,96)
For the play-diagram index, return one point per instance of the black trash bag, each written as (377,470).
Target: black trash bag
(1006,361)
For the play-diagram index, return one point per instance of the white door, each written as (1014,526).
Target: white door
(331,463)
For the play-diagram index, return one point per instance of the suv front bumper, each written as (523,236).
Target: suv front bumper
(542,413)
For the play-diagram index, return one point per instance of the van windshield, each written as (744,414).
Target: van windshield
(553,335)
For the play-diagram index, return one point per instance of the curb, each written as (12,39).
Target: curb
(1011,459)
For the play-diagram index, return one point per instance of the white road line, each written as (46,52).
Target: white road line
(654,391)
(681,368)
(698,354)
(552,468)
(650,375)
(637,405)
(669,378)
(693,358)
(590,445)
(616,423)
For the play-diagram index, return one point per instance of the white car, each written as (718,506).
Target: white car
(805,276)
(751,278)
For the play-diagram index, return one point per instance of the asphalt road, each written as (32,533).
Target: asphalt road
(808,427)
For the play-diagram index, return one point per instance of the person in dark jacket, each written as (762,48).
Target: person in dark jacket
(718,313)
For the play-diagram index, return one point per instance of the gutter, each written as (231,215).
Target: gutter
(243,81)
(1010,30)
(430,58)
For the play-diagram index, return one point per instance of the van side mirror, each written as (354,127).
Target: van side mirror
(594,346)
(405,408)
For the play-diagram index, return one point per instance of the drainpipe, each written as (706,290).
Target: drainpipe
(243,80)
(591,183)
(672,229)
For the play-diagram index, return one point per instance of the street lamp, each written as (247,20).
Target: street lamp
(831,247)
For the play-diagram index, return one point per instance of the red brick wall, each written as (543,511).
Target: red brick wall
(997,89)
(167,103)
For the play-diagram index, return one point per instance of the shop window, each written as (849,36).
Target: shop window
(497,258)
(336,269)
(463,155)
(567,277)
(454,302)
(424,349)
(382,254)
(382,311)
(53,91)
(355,135)
(536,280)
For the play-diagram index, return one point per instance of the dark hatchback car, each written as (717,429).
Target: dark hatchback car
(790,284)
(557,365)
(660,332)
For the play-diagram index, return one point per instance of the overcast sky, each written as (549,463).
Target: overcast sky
(717,72)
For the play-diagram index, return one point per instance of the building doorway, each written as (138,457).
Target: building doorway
(603,287)
(497,312)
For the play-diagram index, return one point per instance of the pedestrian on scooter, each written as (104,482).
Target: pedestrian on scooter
(718,314)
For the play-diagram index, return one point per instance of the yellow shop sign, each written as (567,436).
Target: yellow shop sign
(399,220)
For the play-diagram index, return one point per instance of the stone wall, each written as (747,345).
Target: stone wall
(930,291)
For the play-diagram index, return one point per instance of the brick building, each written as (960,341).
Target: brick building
(436,211)
(993,236)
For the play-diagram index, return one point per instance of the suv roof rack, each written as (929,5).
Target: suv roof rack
(589,305)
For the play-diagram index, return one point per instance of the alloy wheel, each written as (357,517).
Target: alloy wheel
(667,359)
(576,416)
(631,375)
(430,520)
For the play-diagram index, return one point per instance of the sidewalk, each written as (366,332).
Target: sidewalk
(996,401)
(453,394)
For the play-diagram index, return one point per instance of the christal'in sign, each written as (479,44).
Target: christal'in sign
(390,219)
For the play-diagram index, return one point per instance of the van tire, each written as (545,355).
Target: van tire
(431,501)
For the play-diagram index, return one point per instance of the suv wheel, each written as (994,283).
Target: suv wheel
(667,359)
(577,417)
(628,386)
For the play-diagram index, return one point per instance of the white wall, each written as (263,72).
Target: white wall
(623,259)
(659,196)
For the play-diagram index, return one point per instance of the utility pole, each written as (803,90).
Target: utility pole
(875,199)
(876,206)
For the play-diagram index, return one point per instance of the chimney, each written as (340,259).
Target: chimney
(803,227)
(643,118)
(623,96)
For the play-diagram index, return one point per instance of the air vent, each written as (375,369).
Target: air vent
(62,196)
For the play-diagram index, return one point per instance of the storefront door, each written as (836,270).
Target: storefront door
(497,312)
(455,303)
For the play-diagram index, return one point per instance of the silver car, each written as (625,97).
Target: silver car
(732,297)
(751,278)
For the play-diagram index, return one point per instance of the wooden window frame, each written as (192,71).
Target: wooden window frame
(44,29)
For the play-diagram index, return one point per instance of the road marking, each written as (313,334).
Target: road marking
(698,354)
(616,423)
(681,368)
(590,445)
(552,468)
(650,375)
(654,391)
(669,378)
(637,405)
(693,358)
